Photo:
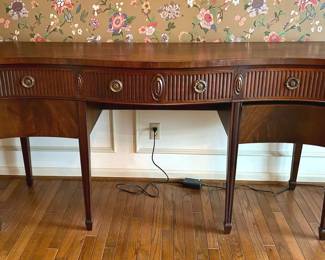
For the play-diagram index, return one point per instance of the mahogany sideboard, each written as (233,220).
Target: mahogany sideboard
(262,92)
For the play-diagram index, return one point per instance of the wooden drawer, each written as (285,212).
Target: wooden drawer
(284,83)
(157,87)
(34,82)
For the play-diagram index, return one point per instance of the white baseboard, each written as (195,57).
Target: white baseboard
(148,173)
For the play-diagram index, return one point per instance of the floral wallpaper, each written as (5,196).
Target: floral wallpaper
(162,21)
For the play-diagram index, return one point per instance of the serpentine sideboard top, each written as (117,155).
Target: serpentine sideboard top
(163,55)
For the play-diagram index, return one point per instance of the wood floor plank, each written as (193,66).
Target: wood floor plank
(304,205)
(87,248)
(168,223)
(259,219)
(79,237)
(147,218)
(98,203)
(179,236)
(201,241)
(74,237)
(188,225)
(272,252)
(315,208)
(214,254)
(19,246)
(210,225)
(47,222)
(8,191)
(50,254)
(133,238)
(156,231)
(109,253)
(106,219)
(245,240)
(317,194)
(273,226)
(120,251)
(252,225)
(133,243)
(218,213)
(306,210)
(288,236)
(233,237)
(114,230)
(38,245)
(308,242)
(18,211)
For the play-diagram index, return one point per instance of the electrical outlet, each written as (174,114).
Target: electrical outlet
(151,132)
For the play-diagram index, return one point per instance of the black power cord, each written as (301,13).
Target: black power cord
(154,129)
(150,189)
(275,193)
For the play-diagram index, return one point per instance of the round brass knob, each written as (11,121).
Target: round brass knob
(200,86)
(292,83)
(116,85)
(28,82)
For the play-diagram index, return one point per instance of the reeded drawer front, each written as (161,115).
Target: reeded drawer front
(34,82)
(150,87)
(284,83)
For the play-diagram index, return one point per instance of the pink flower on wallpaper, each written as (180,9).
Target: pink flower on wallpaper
(152,24)
(38,38)
(149,29)
(60,5)
(304,3)
(117,22)
(142,30)
(273,37)
(206,18)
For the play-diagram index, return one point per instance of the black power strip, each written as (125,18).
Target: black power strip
(192,183)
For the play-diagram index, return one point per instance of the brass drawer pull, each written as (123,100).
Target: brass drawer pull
(200,86)
(28,82)
(292,83)
(116,85)
(239,83)
(157,87)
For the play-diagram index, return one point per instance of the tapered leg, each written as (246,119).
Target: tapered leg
(24,141)
(297,149)
(322,223)
(84,149)
(233,137)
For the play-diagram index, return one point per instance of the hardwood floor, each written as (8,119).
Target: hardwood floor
(47,222)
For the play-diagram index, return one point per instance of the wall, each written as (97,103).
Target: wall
(192,144)
(167,20)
